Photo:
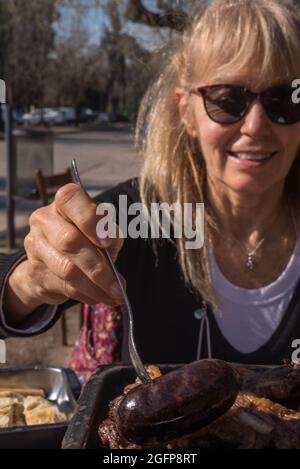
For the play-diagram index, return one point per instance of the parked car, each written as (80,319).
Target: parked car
(88,115)
(111,117)
(68,113)
(47,115)
(32,118)
(17,115)
(103,117)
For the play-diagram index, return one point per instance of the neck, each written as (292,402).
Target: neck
(247,217)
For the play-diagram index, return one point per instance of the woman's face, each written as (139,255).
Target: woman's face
(255,135)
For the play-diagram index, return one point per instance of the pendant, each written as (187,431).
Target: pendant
(250,264)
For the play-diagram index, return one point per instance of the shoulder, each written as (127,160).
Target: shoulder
(129,188)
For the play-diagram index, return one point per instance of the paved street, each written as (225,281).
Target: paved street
(104,158)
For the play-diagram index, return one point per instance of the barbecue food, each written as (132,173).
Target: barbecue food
(255,420)
(177,403)
(251,422)
(277,384)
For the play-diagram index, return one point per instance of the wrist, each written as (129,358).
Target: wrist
(18,299)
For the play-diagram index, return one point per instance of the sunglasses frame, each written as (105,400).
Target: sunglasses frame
(203,90)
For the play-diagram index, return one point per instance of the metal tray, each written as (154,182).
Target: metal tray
(61,387)
(106,383)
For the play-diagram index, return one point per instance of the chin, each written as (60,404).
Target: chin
(247,188)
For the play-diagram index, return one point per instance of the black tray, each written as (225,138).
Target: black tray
(61,387)
(106,383)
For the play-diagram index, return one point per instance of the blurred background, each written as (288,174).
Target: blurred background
(75,72)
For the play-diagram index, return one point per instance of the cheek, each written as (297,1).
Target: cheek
(215,139)
(290,140)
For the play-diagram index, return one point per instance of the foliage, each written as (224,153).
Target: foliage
(43,68)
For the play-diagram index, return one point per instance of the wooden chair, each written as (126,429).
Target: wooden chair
(47,186)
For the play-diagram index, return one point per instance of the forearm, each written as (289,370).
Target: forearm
(21,315)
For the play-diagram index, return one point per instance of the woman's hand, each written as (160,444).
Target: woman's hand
(64,259)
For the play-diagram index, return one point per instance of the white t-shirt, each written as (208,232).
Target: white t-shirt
(249,317)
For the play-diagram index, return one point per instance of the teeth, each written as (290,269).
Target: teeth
(251,156)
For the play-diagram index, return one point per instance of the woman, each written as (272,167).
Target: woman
(222,129)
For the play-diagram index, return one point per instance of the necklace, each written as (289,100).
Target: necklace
(251,262)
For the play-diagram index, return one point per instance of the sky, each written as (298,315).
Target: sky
(96,21)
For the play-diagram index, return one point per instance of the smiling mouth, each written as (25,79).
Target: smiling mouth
(252,156)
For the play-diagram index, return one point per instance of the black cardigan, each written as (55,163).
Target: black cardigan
(166,329)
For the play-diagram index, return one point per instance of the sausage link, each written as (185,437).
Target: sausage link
(178,402)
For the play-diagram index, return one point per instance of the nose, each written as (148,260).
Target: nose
(256,123)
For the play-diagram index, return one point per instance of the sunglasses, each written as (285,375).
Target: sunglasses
(228,104)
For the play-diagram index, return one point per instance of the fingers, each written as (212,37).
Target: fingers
(64,243)
(62,278)
(76,207)
(73,246)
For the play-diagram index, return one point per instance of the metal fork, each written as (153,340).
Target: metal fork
(134,356)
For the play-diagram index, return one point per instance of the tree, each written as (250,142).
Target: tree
(77,66)
(42,67)
(128,71)
(27,39)
(173,14)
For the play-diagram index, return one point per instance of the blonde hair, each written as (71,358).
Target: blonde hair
(223,39)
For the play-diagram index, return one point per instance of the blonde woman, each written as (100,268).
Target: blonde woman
(223,129)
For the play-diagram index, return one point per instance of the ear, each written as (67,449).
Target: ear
(187,117)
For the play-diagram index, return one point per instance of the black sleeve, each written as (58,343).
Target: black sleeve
(43,317)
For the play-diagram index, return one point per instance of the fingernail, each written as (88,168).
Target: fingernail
(116,291)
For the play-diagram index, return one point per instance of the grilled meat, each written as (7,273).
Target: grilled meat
(278,384)
(255,420)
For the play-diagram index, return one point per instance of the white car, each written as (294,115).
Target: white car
(47,115)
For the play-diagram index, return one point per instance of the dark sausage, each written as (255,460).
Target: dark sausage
(177,403)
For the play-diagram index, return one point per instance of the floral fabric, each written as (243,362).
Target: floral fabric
(99,341)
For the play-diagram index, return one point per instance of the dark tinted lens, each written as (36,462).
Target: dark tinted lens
(226,104)
(279,106)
